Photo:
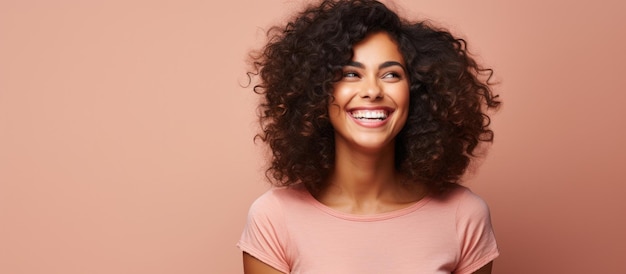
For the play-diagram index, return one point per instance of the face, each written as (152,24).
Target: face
(372,98)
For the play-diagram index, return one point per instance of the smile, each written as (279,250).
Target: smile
(371,117)
(375,114)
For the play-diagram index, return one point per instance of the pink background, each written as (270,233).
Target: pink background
(126,139)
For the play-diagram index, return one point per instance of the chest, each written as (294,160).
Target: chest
(409,244)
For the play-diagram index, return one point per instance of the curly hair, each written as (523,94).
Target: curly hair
(302,60)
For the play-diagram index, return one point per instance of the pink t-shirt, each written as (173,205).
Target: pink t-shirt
(291,231)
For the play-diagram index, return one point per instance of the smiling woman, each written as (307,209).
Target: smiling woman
(371,101)
(372,120)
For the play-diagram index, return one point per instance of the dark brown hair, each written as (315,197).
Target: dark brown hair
(297,68)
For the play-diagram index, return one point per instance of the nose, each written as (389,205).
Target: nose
(371,90)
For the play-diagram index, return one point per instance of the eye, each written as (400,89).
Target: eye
(350,74)
(392,75)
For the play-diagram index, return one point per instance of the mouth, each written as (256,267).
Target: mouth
(370,114)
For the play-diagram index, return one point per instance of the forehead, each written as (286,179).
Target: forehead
(377,47)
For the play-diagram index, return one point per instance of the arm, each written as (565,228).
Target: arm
(252,265)
(485,269)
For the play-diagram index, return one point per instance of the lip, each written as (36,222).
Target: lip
(370,123)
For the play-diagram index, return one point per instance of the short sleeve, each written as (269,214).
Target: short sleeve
(263,236)
(476,236)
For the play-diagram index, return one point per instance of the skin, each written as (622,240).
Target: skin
(252,265)
(364,179)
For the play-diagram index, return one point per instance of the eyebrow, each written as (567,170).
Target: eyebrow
(381,66)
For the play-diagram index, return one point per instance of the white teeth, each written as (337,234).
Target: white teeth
(369,114)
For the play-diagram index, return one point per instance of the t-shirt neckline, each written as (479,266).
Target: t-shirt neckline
(368,217)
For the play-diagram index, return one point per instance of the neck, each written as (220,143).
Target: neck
(365,182)
(364,174)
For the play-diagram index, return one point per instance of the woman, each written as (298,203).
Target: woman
(371,121)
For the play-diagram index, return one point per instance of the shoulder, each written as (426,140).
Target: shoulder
(465,201)
(474,231)
(266,234)
(276,199)
(464,206)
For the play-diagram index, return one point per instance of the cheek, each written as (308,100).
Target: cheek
(339,100)
(341,94)
(402,96)
(403,101)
